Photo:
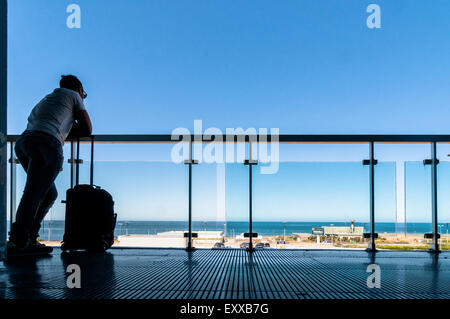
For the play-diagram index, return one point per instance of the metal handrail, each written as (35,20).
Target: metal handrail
(282,138)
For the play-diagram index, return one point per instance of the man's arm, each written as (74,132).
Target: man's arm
(83,126)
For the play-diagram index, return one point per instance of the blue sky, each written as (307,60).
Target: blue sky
(303,66)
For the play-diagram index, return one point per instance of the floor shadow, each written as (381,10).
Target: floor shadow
(190,264)
(97,275)
(25,277)
(435,271)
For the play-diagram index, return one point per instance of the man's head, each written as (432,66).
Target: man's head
(71,82)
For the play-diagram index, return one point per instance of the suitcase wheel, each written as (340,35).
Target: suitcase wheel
(100,248)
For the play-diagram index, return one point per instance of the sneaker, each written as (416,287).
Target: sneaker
(18,236)
(41,248)
(15,250)
(30,249)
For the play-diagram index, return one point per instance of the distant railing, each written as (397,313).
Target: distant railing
(371,140)
(282,138)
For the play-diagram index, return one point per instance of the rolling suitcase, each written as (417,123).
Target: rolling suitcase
(90,218)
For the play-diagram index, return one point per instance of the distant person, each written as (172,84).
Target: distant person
(39,150)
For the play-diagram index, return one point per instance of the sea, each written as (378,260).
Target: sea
(54,230)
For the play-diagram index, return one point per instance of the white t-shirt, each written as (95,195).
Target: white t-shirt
(54,114)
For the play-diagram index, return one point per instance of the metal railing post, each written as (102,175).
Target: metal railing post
(372,197)
(190,162)
(189,246)
(371,162)
(434,235)
(250,162)
(72,164)
(250,210)
(12,185)
(3,126)
(434,203)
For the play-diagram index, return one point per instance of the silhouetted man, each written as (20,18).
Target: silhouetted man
(39,150)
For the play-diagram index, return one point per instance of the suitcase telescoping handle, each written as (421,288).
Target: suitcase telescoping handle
(77,170)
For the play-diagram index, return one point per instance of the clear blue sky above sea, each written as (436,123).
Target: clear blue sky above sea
(303,66)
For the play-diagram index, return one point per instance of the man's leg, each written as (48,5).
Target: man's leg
(44,207)
(39,178)
(18,234)
(44,163)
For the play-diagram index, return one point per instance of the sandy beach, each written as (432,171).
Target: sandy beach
(307,241)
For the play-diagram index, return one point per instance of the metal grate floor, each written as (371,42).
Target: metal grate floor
(228,274)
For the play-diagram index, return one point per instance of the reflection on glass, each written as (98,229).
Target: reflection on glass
(304,205)
(402,223)
(312,205)
(444,204)
(418,204)
(208,205)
